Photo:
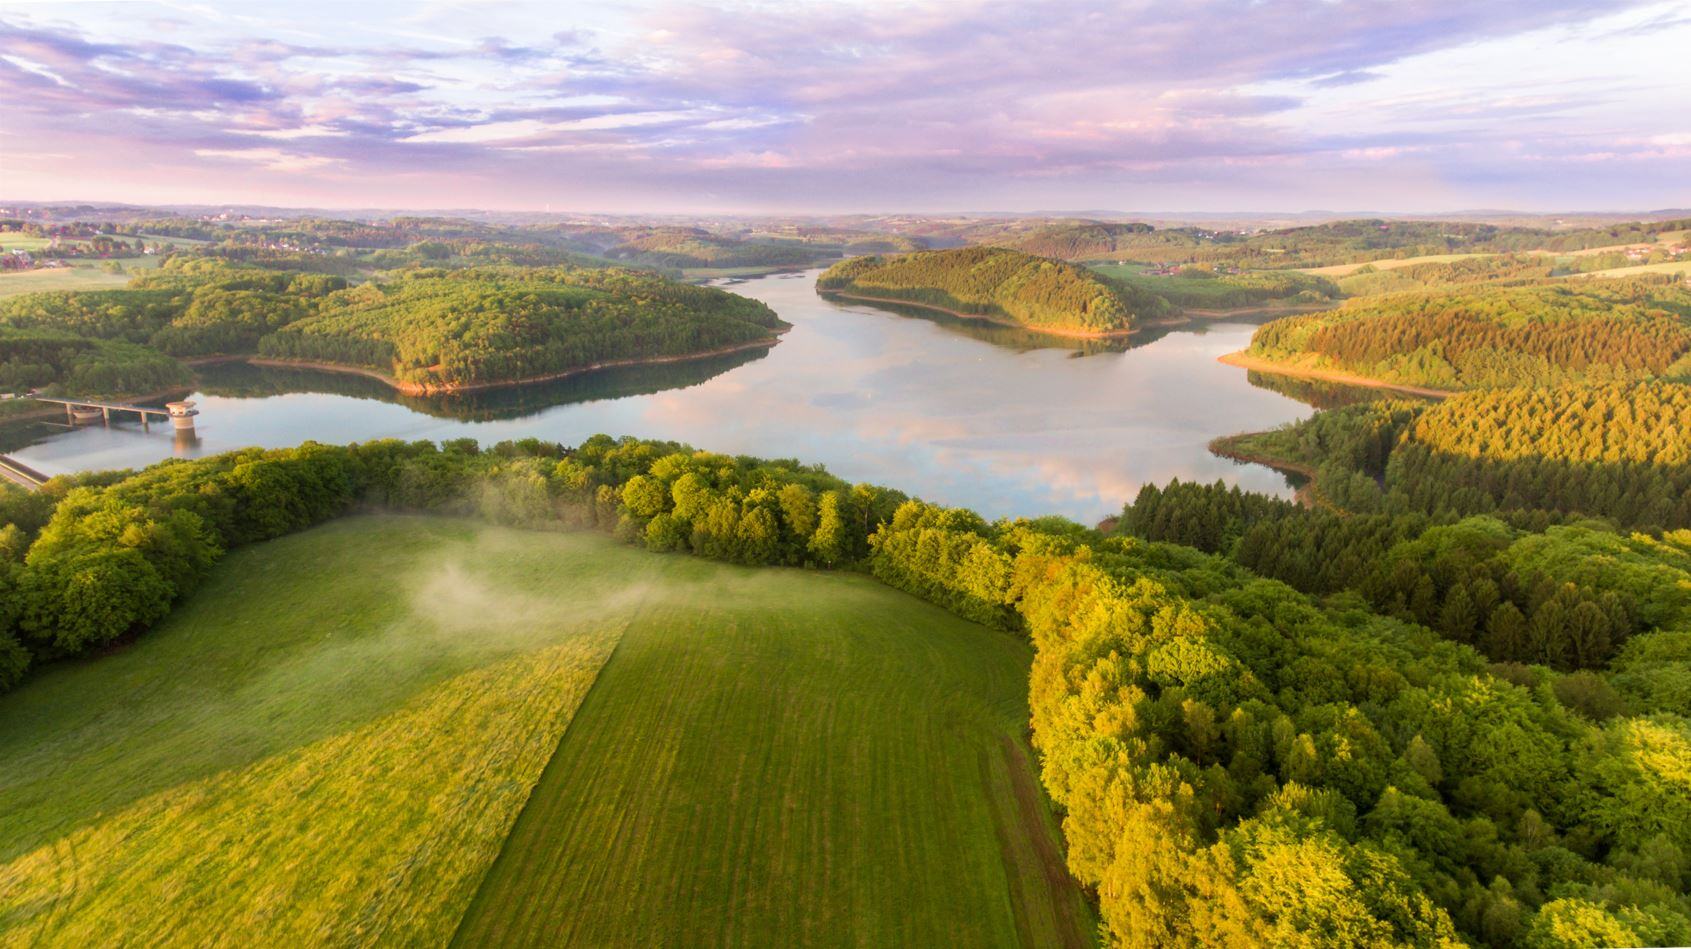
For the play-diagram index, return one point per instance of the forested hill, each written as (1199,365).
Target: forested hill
(696,247)
(1085,240)
(440,329)
(1548,334)
(119,343)
(1004,285)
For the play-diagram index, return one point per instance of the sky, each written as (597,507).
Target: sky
(860,106)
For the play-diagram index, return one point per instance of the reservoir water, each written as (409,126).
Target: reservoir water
(957,412)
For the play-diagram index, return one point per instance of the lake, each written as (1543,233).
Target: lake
(957,412)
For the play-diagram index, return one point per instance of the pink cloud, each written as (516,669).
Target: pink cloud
(843,105)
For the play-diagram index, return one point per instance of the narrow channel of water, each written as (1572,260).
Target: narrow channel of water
(958,412)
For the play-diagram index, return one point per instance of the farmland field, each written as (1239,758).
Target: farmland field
(333,739)
(1681,267)
(841,767)
(1388,263)
(17,240)
(82,276)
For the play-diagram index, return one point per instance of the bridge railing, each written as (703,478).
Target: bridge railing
(20,473)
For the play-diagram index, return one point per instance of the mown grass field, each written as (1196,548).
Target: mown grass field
(1191,292)
(332,741)
(842,766)
(17,240)
(1121,271)
(82,276)
(327,743)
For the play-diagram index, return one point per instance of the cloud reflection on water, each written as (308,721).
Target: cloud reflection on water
(874,396)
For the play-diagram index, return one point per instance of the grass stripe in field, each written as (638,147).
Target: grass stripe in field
(798,759)
(60,278)
(335,731)
(380,834)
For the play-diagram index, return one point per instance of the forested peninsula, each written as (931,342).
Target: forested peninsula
(421,330)
(1002,285)
(1485,336)
(444,330)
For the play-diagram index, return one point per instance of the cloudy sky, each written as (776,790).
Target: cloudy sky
(868,105)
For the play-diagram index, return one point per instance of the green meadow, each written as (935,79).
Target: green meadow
(411,729)
(17,240)
(81,276)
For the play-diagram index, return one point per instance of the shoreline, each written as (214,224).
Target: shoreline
(1071,334)
(1186,316)
(398,385)
(1293,309)
(1307,494)
(1243,360)
(426,389)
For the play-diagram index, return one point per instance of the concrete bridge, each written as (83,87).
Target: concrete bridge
(180,414)
(21,474)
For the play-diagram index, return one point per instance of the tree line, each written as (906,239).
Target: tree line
(94,558)
(696,247)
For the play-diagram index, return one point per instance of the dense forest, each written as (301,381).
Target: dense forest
(1617,451)
(837,241)
(1543,577)
(191,306)
(1086,240)
(1199,287)
(433,326)
(1005,285)
(441,329)
(1569,596)
(1590,331)
(58,363)
(1499,269)
(1237,761)
(696,247)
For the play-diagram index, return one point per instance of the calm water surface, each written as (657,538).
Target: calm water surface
(957,413)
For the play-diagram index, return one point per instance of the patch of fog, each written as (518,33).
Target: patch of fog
(467,597)
(467,604)
(495,593)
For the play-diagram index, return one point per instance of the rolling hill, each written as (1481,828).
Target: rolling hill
(998,284)
(1481,336)
(439,330)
